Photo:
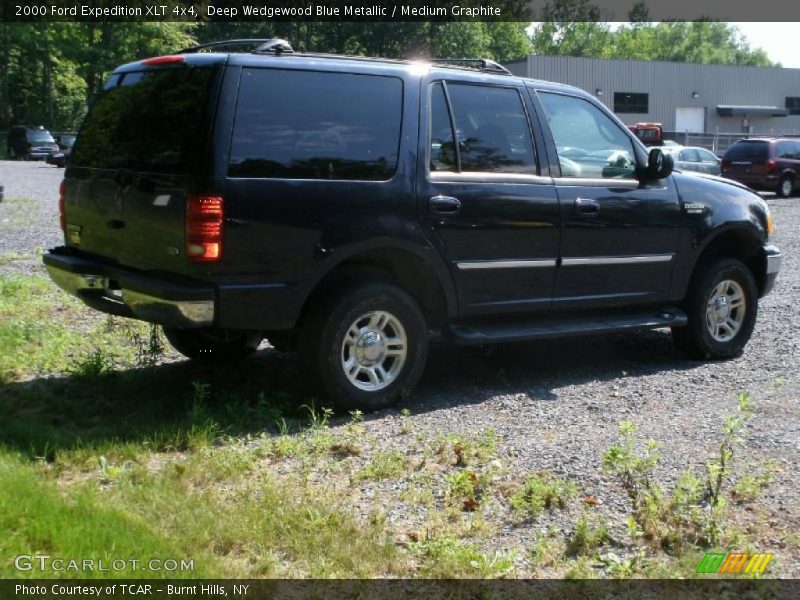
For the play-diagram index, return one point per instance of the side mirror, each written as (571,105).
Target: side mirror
(659,165)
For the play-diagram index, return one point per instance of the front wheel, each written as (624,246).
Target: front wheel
(366,348)
(211,345)
(722,305)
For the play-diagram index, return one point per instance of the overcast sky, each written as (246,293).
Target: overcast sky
(777,39)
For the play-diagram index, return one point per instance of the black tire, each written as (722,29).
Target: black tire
(785,187)
(696,338)
(210,345)
(322,351)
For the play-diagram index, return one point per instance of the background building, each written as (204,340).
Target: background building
(683,97)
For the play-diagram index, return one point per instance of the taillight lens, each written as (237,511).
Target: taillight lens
(62,215)
(772,165)
(164,60)
(204,216)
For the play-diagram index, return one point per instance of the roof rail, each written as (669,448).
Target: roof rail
(259,44)
(483,64)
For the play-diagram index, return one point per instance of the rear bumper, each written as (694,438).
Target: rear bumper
(774,259)
(126,293)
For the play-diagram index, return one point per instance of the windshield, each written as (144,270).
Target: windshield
(146,121)
(42,136)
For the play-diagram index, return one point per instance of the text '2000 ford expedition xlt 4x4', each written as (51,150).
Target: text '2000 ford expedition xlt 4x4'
(349,208)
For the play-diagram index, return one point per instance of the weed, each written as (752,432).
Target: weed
(750,485)
(148,347)
(540,492)
(465,490)
(93,365)
(548,549)
(318,419)
(405,421)
(384,465)
(450,558)
(588,535)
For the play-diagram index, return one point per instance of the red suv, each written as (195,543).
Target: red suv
(771,164)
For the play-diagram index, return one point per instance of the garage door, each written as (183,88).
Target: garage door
(690,119)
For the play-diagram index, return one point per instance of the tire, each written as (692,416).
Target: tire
(343,347)
(785,186)
(210,345)
(722,329)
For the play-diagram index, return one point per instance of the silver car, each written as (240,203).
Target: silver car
(694,158)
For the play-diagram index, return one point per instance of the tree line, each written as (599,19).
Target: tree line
(50,72)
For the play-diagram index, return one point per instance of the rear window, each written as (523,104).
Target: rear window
(146,121)
(752,151)
(315,125)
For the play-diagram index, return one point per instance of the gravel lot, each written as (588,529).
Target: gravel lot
(556,405)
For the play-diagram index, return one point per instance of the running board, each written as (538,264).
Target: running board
(521,330)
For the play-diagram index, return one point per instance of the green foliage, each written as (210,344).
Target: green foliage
(589,534)
(384,465)
(694,513)
(751,484)
(542,492)
(448,557)
(575,28)
(92,365)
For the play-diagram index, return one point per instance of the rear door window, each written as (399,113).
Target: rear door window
(492,129)
(147,121)
(316,125)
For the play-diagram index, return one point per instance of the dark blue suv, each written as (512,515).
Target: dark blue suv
(351,208)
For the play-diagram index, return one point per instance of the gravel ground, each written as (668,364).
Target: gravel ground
(556,405)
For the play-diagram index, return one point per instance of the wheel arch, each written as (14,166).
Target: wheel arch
(738,242)
(431,288)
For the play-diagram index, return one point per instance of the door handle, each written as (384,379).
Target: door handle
(444,204)
(587,206)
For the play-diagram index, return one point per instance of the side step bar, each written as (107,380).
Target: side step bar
(521,330)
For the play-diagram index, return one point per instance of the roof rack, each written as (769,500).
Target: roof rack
(483,64)
(279,46)
(262,46)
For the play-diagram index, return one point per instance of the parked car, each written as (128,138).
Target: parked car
(65,142)
(197,198)
(29,143)
(771,164)
(694,158)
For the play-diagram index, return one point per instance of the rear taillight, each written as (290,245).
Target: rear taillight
(204,215)
(62,215)
(772,165)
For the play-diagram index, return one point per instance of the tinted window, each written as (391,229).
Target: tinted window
(752,151)
(443,155)
(492,126)
(589,143)
(310,125)
(150,124)
(626,102)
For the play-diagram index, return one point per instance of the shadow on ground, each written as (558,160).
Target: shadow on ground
(158,405)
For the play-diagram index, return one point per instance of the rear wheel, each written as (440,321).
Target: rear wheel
(366,347)
(212,345)
(722,305)
(785,186)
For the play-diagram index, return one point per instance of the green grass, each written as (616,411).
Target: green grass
(111,446)
(260,529)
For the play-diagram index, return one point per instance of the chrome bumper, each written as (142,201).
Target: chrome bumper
(774,259)
(774,262)
(129,294)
